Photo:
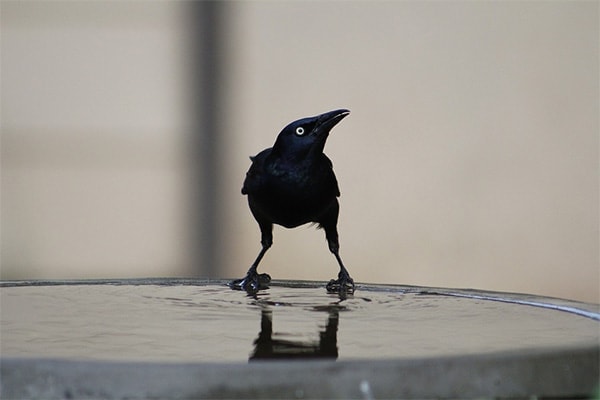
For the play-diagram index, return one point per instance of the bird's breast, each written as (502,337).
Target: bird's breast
(292,199)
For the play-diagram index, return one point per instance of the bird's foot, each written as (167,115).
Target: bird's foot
(252,282)
(343,285)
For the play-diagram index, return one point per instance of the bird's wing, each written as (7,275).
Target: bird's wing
(327,167)
(255,176)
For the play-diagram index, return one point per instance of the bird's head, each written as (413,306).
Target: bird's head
(306,137)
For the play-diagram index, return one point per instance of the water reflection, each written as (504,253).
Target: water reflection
(277,345)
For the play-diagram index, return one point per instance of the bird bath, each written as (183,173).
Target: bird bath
(193,338)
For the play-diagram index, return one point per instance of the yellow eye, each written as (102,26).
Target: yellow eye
(299,131)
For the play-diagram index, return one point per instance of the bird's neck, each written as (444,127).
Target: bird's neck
(286,164)
(291,157)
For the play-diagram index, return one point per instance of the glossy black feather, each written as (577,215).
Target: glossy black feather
(293,183)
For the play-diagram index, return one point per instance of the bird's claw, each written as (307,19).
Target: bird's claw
(343,285)
(251,283)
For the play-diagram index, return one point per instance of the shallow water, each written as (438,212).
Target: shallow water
(210,322)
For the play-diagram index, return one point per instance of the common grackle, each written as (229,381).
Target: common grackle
(291,184)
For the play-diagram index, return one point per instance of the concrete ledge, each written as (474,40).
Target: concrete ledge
(566,373)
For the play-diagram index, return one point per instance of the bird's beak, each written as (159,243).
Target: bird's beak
(328,120)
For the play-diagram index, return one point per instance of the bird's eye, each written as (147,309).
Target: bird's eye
(299,131)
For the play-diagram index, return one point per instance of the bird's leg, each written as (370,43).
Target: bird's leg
(253,281)
(344,284)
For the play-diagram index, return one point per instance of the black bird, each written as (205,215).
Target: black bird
(291,184)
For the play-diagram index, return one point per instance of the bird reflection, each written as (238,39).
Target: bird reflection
(268,346)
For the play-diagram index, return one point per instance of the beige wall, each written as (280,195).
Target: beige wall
(470,158)
(92,135)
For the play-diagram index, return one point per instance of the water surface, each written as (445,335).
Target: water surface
(210,322)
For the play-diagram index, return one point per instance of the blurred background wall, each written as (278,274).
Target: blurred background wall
(470,158)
